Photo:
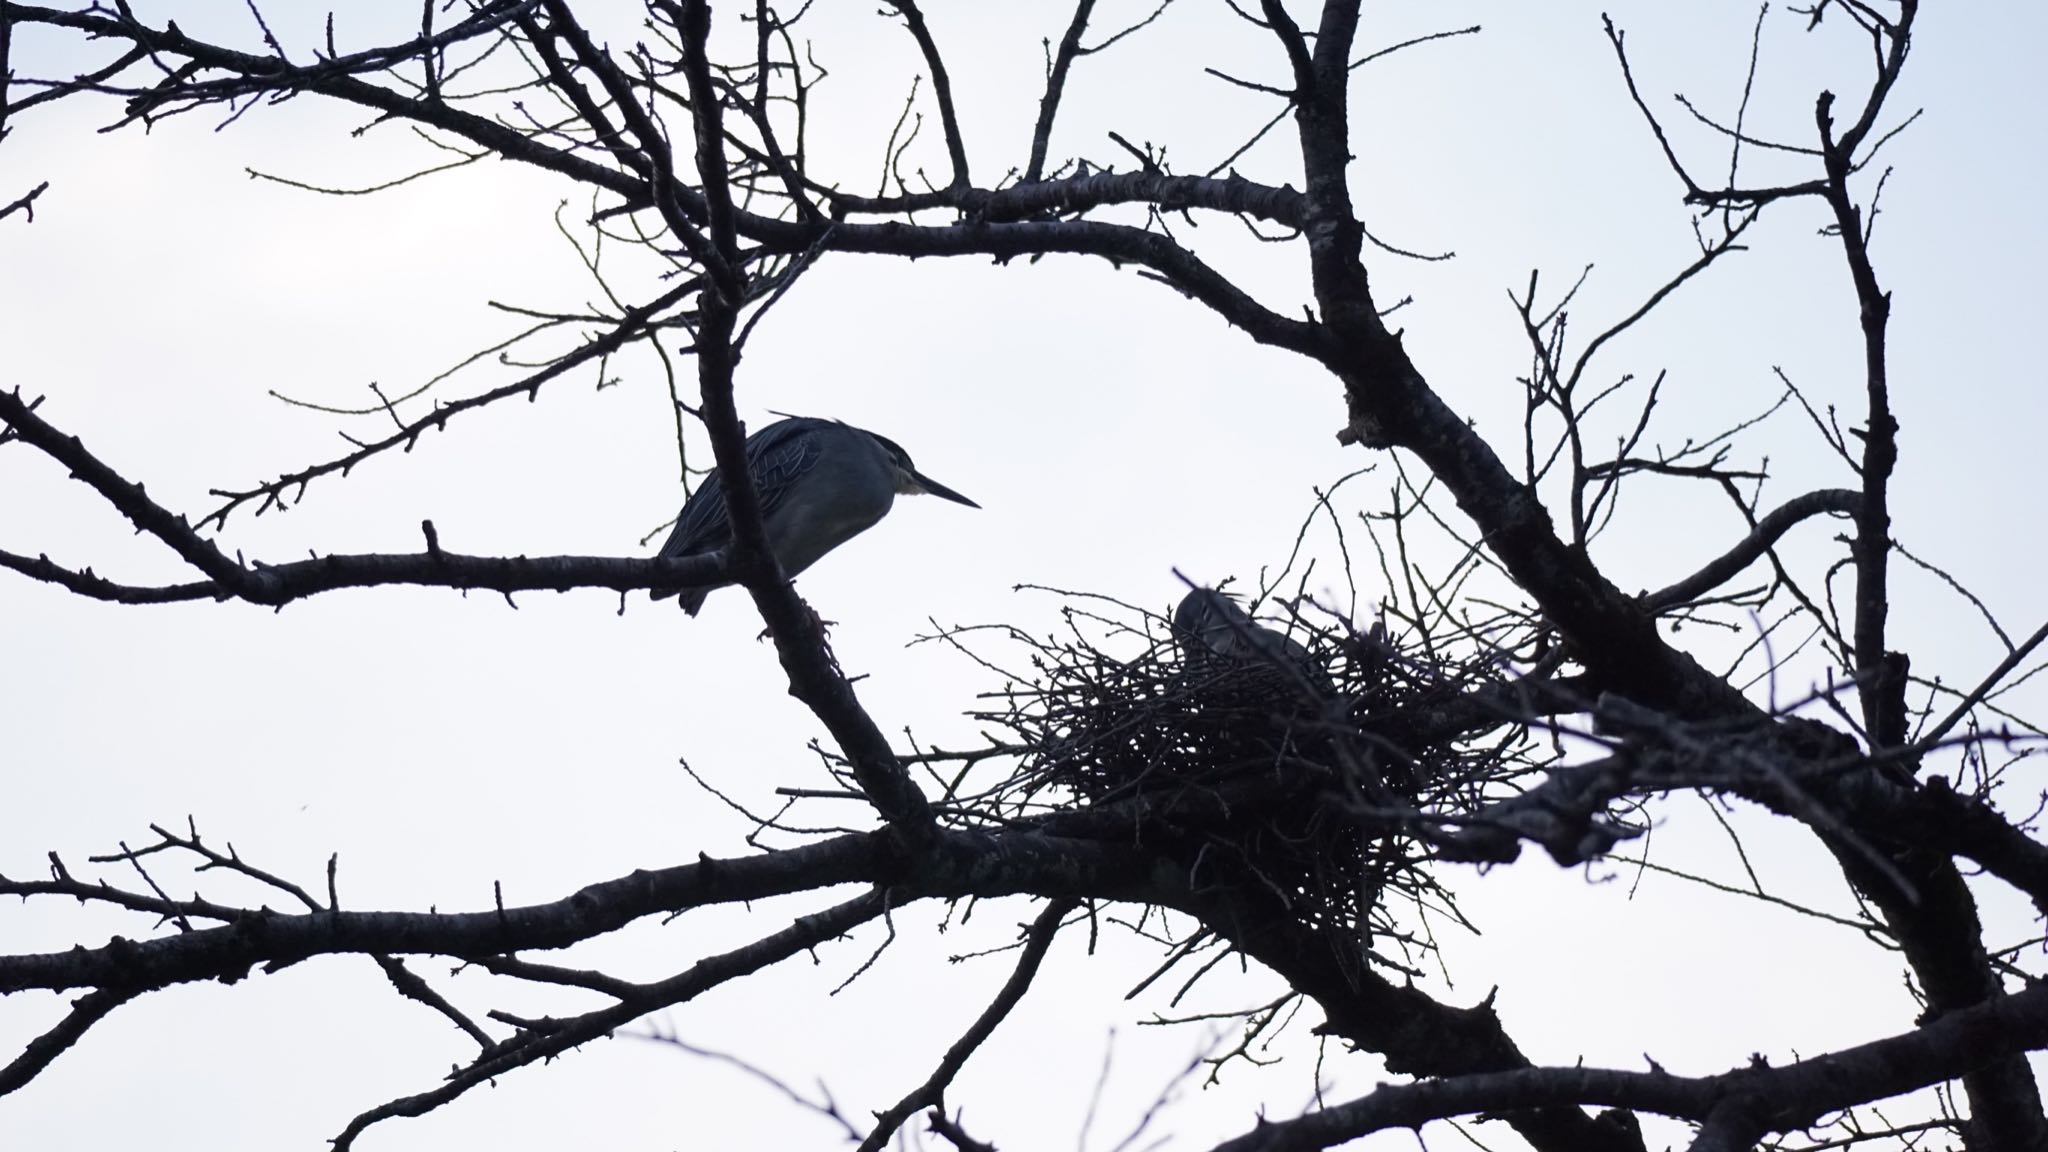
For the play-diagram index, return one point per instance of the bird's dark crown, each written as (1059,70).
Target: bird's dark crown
(895,451)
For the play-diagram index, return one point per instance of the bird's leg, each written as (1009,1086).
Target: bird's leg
(824,627)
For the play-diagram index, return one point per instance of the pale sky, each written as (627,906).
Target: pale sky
(1111,431)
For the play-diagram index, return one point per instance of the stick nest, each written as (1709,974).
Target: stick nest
(1298,772)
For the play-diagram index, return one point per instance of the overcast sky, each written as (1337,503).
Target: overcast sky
(1111,431)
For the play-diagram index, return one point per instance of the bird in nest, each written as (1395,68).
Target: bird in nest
(1211,630)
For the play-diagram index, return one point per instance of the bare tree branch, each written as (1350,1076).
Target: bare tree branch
(1768,531)
(1767,1099)
(932,1093)
(806,932)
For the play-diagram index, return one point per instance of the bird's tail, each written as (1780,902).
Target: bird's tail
(691,599)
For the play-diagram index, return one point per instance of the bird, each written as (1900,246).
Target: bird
(820,483)
(1209,626)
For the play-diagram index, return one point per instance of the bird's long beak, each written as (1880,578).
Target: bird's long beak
(927,484)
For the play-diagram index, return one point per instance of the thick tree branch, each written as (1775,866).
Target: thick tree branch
(1077,194)
(814,676)
(413,988)
(1114,242)
(954,864)
(274,585)
(1780,1099)
(86,1011)
(277,584)
(19,417)
(560,1036)
(1417,1035)
(1941,931)
(1767,532)
(262,937)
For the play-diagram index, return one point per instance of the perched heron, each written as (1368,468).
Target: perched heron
(1210,626)
(821,483)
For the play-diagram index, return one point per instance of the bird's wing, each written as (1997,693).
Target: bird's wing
(776,455)
(777,465)
(702,523)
